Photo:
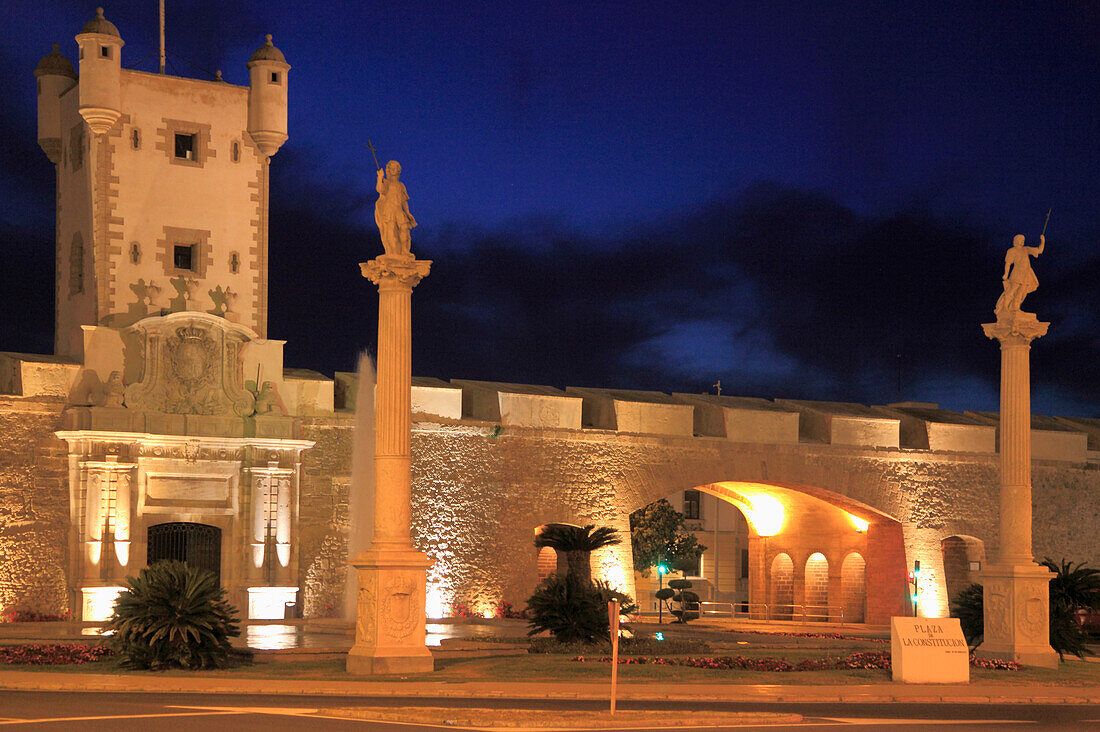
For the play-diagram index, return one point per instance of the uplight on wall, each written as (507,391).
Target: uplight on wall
(98,603)
(859,523)
(269,603)
(766,514)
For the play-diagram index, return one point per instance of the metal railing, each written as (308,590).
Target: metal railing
(768,613)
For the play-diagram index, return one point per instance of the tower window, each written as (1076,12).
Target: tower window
(274,77)
(183,257)
(691,504)
(135,138)
(76,265)
(234,263)
(235,151)
(105,51)
(135,253)
(185,146)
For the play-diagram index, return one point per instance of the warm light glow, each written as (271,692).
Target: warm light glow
(436,601)
(98,602)
(122,551)
(859,523)
(269,603)
(95,551)
(766,514)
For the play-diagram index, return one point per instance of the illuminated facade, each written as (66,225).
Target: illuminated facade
(167,425)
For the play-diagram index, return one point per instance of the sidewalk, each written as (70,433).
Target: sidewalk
(848,693)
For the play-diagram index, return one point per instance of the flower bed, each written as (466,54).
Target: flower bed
(30,616)
(861,660)
(50,654)
(830,636)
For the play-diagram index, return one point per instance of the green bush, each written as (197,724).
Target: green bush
(573,611)
(173,616)
(969,609)
(687,602)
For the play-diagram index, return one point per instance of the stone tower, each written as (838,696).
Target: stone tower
(162,187)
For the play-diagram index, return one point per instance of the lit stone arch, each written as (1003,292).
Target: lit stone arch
(781,587)
(816,586)
(853,588)
(963,559)
(547,562)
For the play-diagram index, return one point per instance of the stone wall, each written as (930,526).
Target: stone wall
(34,507)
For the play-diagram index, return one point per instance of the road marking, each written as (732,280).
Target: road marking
(114,716)
(865,721)
(285,711)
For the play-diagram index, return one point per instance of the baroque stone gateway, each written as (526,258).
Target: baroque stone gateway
(165,423)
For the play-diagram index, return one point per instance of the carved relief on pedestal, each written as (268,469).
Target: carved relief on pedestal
(402,605)
(1031,618)
(191,365)
(364,614)
(997,620)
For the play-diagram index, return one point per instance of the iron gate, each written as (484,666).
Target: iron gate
(199,545)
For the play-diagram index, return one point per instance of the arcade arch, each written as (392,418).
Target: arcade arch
(808,550)
(963,557)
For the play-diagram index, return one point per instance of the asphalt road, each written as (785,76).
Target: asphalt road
(21,710)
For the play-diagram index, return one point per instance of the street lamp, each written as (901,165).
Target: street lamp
(662,570)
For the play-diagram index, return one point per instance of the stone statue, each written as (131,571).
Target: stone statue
(267,401)
(114,392)
(391,211)
(1019,279)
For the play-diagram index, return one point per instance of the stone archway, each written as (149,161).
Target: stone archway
(799,521)
(853,588)
(199,545)
(963,557)
(781,587)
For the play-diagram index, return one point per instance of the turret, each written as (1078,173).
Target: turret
(267,72)
(55,75)
(100,72)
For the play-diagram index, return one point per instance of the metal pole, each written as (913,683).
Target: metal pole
(660,602)
(162,53)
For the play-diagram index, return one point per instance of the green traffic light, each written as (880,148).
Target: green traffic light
(662,569)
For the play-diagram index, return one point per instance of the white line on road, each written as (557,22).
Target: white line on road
(862,721)
(114,716)
(285,711)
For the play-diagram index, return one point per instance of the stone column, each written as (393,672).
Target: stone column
(1015,588)
(392,574)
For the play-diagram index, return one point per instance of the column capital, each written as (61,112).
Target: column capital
(1015,328)
(389,270)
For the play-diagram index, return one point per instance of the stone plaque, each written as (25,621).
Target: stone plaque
(929,651)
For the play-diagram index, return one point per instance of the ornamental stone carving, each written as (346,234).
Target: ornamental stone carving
(191,364)
(402,606)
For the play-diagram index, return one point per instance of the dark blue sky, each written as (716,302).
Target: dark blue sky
(794,197)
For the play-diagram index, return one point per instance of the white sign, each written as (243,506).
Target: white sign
(929,651)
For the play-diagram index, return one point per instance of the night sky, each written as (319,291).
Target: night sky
(803,199)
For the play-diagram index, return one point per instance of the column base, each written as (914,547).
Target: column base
(1016,601)
(390,616)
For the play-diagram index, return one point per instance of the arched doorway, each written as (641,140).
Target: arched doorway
(199,545)
(547,562)
(781,591)
(962,560)
(853,588)
(817,587)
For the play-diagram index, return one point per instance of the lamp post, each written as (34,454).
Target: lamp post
(662,570)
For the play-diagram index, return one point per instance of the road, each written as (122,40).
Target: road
(20,710)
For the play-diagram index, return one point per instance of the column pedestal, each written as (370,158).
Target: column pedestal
(1015,590)
(1016,599)
(389,613)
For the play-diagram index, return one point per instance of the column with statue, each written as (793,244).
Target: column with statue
(391,573)
(1015,589)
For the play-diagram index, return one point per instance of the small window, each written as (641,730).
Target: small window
(744,564)
(274,77)
(975,566)
(135,138)
(691,504)
(692,569)
(183,256)
(185,146)
(235,151)
(135,253)
(82,54)
(105,51)
(38,86)
(234,263)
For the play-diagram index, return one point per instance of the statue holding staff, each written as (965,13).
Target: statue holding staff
(1019,278)
(391,211)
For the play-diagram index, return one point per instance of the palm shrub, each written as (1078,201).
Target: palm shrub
(969,608)
(574,545)
(173,616)
(572,611)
